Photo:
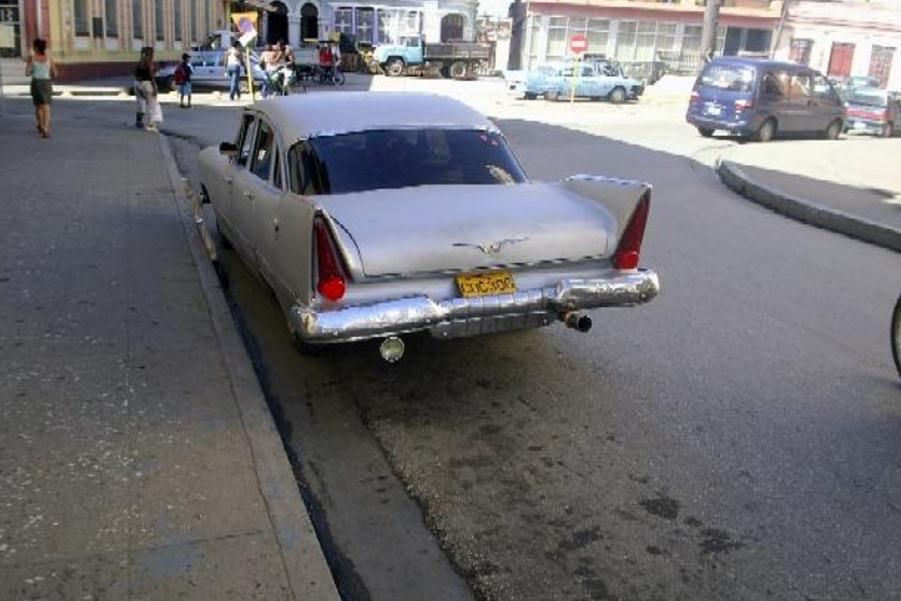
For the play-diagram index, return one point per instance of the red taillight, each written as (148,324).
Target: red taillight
(629,249)
(331,282)
(743,104)
(694,96)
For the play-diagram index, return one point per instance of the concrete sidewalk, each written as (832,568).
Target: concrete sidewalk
(138,459)
(851,186)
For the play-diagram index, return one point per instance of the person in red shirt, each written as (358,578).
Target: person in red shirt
(326,62)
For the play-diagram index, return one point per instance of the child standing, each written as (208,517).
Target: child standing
(183,73)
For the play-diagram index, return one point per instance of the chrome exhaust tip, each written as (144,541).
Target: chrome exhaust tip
(392,349)
(577,321)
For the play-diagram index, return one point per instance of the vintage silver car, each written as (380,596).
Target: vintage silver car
(372,215)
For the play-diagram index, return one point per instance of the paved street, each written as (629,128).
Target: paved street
(738,438)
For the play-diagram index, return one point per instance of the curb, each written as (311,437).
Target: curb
(307,572)
(807,211)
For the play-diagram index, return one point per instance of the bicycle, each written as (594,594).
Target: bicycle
(896,335)
(331,76)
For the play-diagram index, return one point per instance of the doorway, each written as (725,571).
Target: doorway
(451,27)
(277,23)
(309,22)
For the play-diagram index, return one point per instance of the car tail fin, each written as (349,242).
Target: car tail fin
(628,251)
(331,278)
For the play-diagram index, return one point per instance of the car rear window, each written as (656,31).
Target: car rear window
(878,99)
(386,159)
(728,77)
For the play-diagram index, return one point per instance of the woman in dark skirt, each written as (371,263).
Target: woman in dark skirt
(42,71)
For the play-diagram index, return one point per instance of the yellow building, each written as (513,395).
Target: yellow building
(96,38)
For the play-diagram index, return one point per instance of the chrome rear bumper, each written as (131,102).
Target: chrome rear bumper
(471,316)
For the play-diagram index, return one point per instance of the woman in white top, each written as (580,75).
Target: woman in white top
(41,70)
(233,61)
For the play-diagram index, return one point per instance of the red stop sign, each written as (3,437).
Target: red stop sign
(578,43)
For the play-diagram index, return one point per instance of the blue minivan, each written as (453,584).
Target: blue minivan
(762,98)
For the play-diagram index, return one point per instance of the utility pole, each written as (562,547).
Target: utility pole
(708,34)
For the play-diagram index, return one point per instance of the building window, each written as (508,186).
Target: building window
(195,26)
(625,40)
(534,43)
(203,21)
(365,24)
(881,63)
(111,15)
(800,51)
(80,16)
(176,19)
(344,19)
(597,34)
(556,38)
(159,20)
(137,19)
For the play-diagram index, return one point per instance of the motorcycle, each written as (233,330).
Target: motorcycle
(896,335)
(281,81)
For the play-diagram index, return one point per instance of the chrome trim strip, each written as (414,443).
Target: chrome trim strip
(415,313)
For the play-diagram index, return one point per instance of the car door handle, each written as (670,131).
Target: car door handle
(249,195)
(229,180)
(275,225)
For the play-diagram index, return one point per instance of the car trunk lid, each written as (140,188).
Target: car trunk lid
(460,228)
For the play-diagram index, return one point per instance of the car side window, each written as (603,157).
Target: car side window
(587,71)
(262,151)
(277,169)
(245,139)
(801,86)
(773,85)
(304,170)
(823,90)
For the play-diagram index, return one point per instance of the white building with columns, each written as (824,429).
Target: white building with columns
(385,21)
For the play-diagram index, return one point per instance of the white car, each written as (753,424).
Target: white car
(209,71)
(372,215)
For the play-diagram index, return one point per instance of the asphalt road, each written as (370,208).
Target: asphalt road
(738,438)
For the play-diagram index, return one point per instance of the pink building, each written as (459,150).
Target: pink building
(639,30)
(847,38)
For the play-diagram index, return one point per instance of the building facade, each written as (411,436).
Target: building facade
(370,23)
(639,30)
(843,39)
(94,38)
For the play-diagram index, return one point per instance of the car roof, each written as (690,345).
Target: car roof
(758,62)
(311,115)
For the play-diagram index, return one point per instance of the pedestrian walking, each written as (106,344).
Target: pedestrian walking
(42,70)
(146,92)
(233,62)
(184,72)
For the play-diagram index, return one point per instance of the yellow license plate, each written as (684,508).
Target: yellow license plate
(484,284)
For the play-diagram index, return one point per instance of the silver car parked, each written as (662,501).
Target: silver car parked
(372,215)
(209,71)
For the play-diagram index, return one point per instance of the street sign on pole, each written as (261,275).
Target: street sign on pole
(578,44)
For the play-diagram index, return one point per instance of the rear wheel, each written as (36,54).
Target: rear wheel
(552,96)
(888,130)
(529,96)
(459,70)
(896,335)
(617,96)
(766,131)
(705,131)
(394,67)
(833,131)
